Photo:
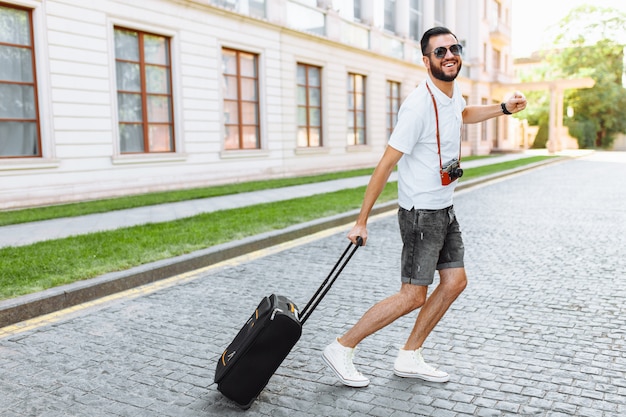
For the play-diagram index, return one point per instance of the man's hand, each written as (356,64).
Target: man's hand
(357,231)
(516,103)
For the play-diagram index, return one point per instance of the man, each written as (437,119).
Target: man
(426,137)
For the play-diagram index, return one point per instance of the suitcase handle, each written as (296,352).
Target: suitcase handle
(330,280)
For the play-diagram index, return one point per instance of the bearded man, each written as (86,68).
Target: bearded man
(425,145)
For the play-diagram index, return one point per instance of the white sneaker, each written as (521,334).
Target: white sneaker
(339,359)
(410,364)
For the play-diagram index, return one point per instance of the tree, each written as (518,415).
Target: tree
(590,45)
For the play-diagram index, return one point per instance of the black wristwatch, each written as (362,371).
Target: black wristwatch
(504,110)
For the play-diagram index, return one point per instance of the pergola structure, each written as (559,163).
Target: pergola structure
(556,88)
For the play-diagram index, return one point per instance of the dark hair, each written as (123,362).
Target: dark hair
(436,31)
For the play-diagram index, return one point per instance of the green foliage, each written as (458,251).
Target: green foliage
(588,24)
(587,45)
(588,35)
(584,131)
(541,140)
(538,107)
(537,114)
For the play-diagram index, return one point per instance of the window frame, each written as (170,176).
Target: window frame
(391,99)
(496,128)
(144,94)
(390,18)
(239,100)
(357,10)
(353,111)
(496,59)
(416,14)
(34,83)
(484,126)
(440,13)
(308,107)
(464,127)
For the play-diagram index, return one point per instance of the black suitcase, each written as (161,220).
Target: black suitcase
(264,341)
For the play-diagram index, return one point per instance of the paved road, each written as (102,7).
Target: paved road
(539,331)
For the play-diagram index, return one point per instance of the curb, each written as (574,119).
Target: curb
(29,306)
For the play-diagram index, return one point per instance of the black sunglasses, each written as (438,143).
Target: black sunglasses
(440,52)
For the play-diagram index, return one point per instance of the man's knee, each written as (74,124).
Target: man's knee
(454,281)
(414,296)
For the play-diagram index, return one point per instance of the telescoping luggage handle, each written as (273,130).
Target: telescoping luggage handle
(330,280)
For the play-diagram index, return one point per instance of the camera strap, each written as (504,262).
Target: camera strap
(437,120)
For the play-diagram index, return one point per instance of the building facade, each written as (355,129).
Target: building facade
(119,97)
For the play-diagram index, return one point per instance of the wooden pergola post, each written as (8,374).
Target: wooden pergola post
(556,88)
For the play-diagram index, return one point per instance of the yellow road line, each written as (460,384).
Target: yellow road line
(60,315)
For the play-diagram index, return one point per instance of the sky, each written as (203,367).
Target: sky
(531,18)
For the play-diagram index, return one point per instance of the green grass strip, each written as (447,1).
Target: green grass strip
(27,269)
(500,166)
(9,217)
(102,206)
(43,265)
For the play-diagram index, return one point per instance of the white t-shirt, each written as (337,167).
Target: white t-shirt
(415,135)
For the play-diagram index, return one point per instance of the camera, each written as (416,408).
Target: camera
(450,171)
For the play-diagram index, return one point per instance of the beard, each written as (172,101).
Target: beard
(438,73)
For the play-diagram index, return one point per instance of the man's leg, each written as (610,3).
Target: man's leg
(452,282)
(409,298)
(410,363)
(338,355)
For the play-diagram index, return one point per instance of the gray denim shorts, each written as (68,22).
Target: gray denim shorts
(431,241)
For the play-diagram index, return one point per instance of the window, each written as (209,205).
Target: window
(309,106)
(254,8)
(390,15)
(440,13)
(485,66)
(227,4)
(494,13)
(415,19)
(464,130)
(496,128)
(19,113)
(241,100)
(356,8)
(392,105)
(495,56)
(305,15)
(356,109)
(484,125)
(144,93)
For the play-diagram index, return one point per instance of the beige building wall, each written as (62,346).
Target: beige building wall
(77,98)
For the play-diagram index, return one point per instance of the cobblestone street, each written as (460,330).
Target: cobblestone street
(539,331)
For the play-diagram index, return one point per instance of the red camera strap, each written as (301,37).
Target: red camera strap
(437,120)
